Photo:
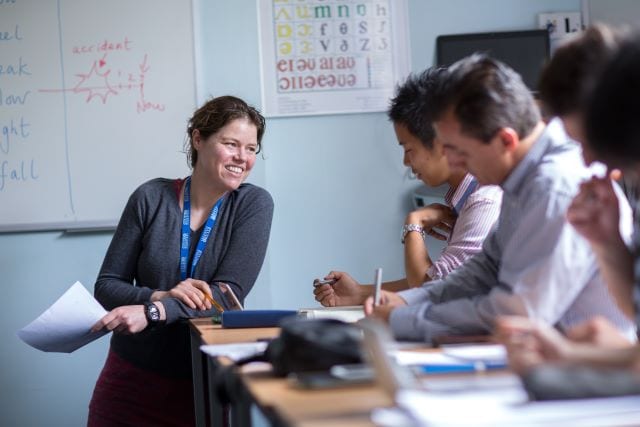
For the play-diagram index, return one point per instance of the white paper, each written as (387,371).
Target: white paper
(477,353)
(66,325)
(235,351)
(430,358)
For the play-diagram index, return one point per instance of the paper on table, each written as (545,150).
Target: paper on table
(484,352)
(454,354)
(235,351)
(65,326)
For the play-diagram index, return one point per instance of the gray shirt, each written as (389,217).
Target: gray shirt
(534,263)
(144,256)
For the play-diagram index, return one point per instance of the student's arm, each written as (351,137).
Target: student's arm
(347,291)
(543,267)
(599,214)
(475,221)
(437,221)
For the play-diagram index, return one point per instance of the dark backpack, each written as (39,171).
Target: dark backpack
(313,345)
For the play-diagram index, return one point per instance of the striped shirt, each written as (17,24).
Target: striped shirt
(534,263)
(477,210)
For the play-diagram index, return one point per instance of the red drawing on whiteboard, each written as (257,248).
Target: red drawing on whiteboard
(102,82)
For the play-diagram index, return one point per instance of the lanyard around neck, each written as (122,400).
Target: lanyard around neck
(186,232)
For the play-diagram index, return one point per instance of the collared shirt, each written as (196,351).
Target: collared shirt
(479,211)
(533,263)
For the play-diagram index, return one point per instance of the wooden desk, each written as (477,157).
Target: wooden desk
(286,405)
(203,331)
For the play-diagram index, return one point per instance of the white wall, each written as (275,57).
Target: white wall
(340,190)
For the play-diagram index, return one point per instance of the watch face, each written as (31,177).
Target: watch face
(153,314)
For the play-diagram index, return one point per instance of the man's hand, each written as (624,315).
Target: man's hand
(437,220)
(344,291)
(530,343)
(388,302)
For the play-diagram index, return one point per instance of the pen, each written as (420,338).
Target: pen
(213,302)
(319,282)
(378,287)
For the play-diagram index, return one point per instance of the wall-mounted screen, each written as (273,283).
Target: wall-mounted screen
(524,51)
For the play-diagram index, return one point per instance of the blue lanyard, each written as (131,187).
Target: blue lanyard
(472,186)
(186,232)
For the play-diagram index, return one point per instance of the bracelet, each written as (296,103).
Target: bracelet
(407,228)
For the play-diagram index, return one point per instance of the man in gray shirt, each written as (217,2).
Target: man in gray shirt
(533,263)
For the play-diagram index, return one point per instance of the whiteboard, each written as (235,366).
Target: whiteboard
(94,100)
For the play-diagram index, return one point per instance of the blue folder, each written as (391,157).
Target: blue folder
(254,318)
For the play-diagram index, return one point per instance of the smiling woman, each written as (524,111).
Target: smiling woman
(177,242)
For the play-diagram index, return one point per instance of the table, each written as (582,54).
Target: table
(203,331)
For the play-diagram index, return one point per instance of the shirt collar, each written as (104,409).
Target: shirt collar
(453,196)
(552,136)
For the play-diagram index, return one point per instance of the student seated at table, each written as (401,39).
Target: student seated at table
(176,241)
(533,263)
(465,220)
(612,135)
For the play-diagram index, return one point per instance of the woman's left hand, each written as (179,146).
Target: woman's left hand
(189,291)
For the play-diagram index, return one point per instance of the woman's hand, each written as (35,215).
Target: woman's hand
(189,291)
(127,319)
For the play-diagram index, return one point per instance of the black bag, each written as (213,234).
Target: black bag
(304,345)
(313,345)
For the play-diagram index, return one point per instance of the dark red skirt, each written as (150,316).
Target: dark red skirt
(126,395)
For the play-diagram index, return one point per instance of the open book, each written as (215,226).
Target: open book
(347,313)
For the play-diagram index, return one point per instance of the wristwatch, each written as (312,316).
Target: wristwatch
(407,228)
(153,314)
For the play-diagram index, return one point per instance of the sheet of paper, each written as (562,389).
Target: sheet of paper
(235,351)
(432,358)
(65,326)
(472,353)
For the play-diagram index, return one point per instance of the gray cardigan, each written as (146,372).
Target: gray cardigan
(144,256)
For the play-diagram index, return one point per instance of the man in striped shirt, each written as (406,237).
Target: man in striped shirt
(465,220)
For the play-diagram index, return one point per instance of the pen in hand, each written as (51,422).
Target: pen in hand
(213,302)
(377,287)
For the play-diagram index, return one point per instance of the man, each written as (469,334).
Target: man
(534,263)
(473,208)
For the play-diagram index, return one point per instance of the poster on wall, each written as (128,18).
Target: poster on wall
(331,56)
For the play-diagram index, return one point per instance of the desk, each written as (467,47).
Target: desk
(203,331)
(285,405)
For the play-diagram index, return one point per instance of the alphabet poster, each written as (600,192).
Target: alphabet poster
(331,56)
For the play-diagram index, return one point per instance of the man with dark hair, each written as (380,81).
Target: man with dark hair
(473,208)
(533,263)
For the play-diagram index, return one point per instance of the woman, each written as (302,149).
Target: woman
(175,242)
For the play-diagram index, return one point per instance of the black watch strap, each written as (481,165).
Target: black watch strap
(152,312)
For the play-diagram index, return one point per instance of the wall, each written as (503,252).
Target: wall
(340,189)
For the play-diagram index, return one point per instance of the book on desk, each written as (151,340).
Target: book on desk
(271,318)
